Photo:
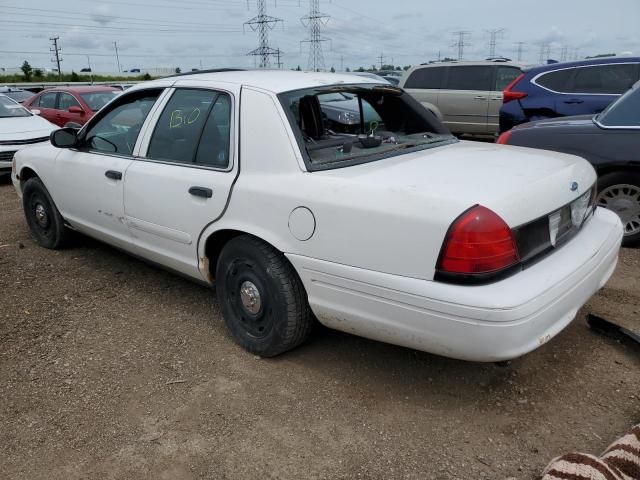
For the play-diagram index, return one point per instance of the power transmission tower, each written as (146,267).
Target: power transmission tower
(56,51)
(262,23)
(520,50)
(381,58)
(314,22)
(493,39)
(342,63)
(545,51)
(575,54)
(564,53)
(460,44)
(278,61)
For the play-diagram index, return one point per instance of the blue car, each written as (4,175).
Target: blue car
(565,89)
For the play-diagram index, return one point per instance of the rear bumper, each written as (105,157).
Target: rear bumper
(483,323)
(511,114)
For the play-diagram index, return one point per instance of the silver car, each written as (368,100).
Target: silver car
(466,96)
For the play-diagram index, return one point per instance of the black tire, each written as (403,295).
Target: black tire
(44,219)
(283,319)
(626,187)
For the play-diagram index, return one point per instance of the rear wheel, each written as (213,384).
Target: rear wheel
(620,193)
(44,219)
(263,301)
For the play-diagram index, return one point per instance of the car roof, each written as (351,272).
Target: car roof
(473,63)
(276,81)
(582,63)
(86,89)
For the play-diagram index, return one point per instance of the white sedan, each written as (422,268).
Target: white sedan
(19,128)
(398,232)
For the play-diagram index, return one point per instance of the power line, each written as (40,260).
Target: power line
(56,51)
(460,44)
(314,22)
(262,23)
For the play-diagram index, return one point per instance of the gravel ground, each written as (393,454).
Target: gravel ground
(110,368)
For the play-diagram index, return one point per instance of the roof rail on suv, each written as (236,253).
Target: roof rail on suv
(498,59)
(210,70)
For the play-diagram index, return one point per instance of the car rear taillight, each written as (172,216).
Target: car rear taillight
(510,94)
(478,242)
(503,139)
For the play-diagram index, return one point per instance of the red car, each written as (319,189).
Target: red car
(71,104)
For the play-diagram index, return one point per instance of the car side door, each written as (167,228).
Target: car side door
(464,98)
(69,109)
(424,85)
(88,181)
(592,88)
(182,179)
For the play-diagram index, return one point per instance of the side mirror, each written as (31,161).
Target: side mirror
(64,138)
(76,109)
(35,111)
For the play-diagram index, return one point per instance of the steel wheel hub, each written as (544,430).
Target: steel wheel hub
(625,201)
(41,215)
(250,297)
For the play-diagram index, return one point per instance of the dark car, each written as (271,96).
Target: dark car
(564,89)
(610,141)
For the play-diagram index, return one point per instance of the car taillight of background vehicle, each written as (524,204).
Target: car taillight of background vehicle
(503,139)
(510,94)
(478,242)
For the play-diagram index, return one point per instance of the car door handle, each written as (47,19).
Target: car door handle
(574,100)
(113,175)
(201,192)
(480,97)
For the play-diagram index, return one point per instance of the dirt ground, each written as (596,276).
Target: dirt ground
(113,369)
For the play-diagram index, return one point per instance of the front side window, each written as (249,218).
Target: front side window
(504,76)
(117,130)
(426,78)
(66,100)
(469,78)
(342,125)
(194,128)
(48,100)
(625,112)
(604,79)
(9,108)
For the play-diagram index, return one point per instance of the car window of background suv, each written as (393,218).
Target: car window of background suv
(607,79)
(426,78)
(469,78)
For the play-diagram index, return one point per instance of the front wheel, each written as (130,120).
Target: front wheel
(620,193)
(263,301)
(44,219)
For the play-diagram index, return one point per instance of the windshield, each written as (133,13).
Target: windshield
(344,125)
(624,112)
(96,100)
(9,108)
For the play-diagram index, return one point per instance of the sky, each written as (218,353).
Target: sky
(210,33)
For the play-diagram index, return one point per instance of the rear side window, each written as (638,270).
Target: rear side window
(426,78)
(469,78)
(194,127)
(504,76)
(558,81)
(608,79)
(48,100)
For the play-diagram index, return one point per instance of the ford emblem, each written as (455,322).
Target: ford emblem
(574,186)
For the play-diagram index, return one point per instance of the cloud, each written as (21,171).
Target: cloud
(101,15)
